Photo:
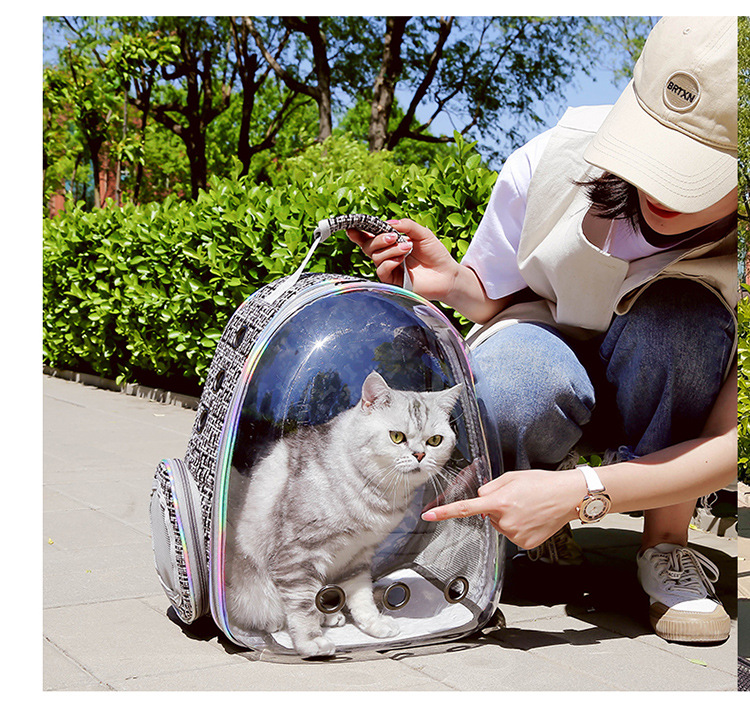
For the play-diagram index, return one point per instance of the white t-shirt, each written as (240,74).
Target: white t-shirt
(492,252)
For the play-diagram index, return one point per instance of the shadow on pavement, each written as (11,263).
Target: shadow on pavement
(603,592)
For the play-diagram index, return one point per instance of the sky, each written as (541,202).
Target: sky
(598,89)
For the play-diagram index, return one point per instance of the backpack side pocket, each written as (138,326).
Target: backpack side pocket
(177,535)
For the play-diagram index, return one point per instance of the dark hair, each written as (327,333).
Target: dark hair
(613,198)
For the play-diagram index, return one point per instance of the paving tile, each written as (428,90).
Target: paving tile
(86,528)
(115,641)
(54,500)
(125,501)
(89,575)
(504,668)
(625,664)
(246,675)
(62,674)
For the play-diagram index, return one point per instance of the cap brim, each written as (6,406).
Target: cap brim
(677,170)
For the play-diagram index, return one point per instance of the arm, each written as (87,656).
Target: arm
(529,506)
(491,255)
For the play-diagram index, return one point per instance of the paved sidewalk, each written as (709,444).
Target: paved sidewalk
(743,570)
(105,615)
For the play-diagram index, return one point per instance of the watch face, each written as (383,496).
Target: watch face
(595,507)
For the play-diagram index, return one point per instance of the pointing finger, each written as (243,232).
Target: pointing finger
(458,509)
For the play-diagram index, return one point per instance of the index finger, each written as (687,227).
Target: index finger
(459,509)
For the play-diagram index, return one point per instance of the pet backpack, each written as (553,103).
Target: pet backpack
(296,355)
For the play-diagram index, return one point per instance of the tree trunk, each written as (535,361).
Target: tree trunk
(321,93)
(195,142)
(310,26)
(384,88)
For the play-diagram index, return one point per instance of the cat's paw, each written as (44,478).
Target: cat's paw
(334,619)
(380,627)
(318,646)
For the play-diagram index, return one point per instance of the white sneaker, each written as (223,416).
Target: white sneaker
(684,606)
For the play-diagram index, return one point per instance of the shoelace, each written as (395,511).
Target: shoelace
(685,570)
(549,548)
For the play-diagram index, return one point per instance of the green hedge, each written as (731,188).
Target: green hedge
(142,293)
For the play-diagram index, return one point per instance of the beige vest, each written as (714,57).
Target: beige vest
(580,287)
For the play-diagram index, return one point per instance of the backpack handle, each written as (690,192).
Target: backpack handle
(325,228)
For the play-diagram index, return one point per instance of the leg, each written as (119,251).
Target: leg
(536,393)
(537,396)
(667,524)
(303,621)
(297,584)
(361,605)
(666,359)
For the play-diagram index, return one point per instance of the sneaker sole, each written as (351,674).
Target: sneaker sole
(689,627)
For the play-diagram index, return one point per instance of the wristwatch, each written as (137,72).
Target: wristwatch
(596,504)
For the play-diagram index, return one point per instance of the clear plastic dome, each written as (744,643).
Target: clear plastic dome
(355,411)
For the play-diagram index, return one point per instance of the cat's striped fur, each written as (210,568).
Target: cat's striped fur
(320,503)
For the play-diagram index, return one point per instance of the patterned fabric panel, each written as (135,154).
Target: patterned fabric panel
(743,674)
(233,349)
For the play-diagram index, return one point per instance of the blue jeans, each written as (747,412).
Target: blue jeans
(648,382)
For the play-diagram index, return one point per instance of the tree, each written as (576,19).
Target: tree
(131,86)
(623,38)
(80,89)
(208,76)
(485,75)
(384,87)
(254,72)
(89,86)
(320,91)
(135,57)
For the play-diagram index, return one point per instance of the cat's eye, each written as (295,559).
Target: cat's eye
(435,440)
(398,437)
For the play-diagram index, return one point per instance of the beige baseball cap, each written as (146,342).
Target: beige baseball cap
(673,131)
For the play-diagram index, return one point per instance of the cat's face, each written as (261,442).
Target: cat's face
(407,434)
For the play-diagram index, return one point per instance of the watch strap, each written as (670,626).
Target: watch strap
(593,482)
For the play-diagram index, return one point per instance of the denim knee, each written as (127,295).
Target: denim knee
(536,392)
(666,359)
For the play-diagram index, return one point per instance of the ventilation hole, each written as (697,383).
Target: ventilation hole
(456,589)
(219,381)
(396,596)
(202,421)
(330,599)
(239,336)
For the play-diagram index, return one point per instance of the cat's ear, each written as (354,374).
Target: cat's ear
(375,392)
(447,398)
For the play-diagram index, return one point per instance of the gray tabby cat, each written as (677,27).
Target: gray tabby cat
(320,503)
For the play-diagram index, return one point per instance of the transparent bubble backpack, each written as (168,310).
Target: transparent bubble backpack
(334,412)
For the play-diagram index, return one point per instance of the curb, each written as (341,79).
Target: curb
(161,396)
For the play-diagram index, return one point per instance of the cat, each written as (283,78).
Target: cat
(319,504)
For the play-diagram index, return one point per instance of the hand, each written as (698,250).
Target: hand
(526,506)
(432,268)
